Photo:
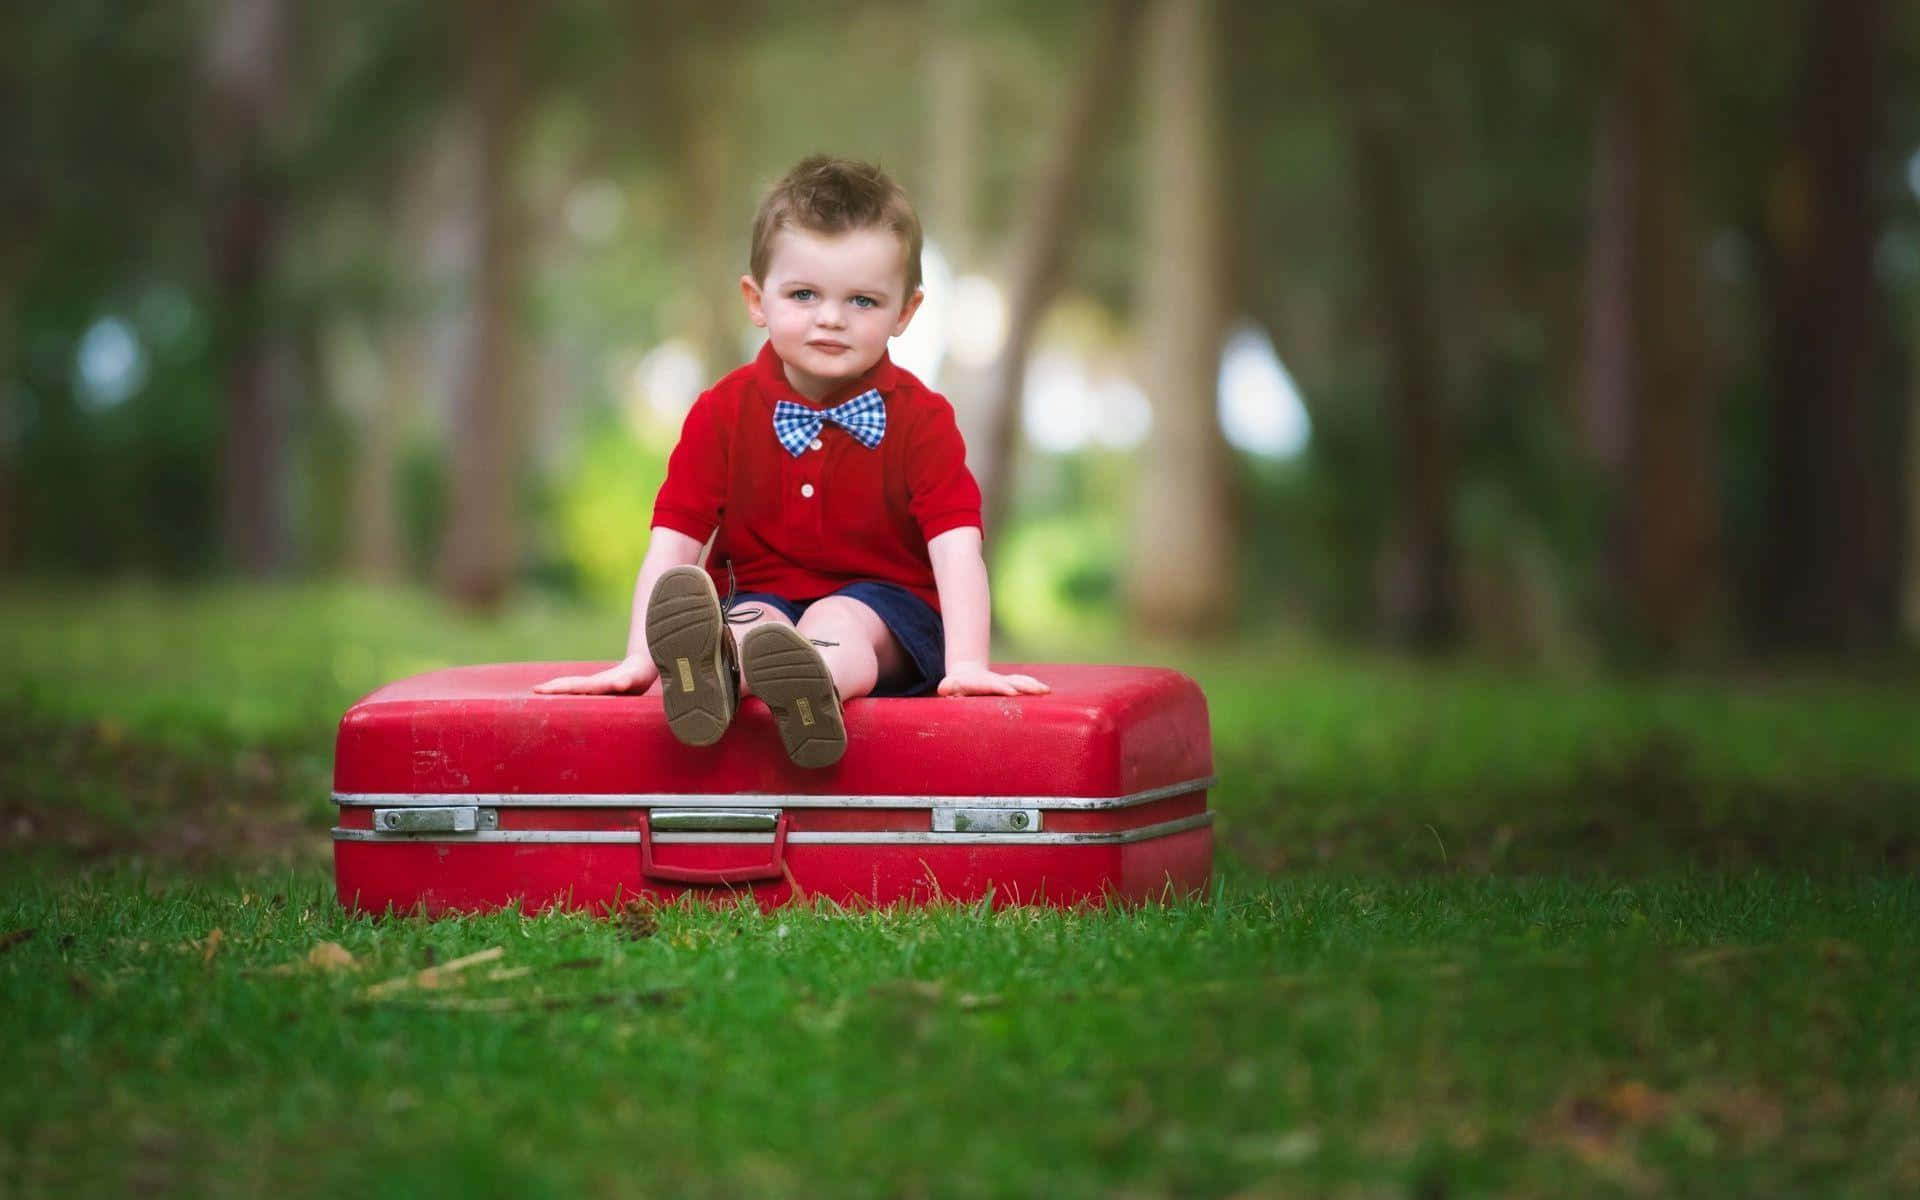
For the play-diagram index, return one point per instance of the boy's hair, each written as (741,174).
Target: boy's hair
(833,196)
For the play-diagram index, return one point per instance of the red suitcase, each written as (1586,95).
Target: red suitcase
(461,790)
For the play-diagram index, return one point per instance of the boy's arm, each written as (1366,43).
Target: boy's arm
(960,574)
(636,672)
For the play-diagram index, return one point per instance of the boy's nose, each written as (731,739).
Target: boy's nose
(829,314)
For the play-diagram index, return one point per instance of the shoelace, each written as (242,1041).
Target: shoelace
(747,613)
(731,614)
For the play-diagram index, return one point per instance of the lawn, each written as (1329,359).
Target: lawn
(1475,931)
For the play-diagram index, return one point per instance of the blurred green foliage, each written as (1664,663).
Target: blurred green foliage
(645,138)
(604,511)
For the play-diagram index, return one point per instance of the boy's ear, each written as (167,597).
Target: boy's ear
(750,292)
(908,309)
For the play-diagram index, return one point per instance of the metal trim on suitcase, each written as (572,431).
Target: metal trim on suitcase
(833,837)
(733,800)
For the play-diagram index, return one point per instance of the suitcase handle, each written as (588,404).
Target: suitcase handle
(775,869)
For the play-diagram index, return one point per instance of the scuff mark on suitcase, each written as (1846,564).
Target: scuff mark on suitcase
(436,764)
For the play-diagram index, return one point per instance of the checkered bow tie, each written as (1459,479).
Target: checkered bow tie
(864,416)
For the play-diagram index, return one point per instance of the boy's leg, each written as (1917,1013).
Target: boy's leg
(863,651)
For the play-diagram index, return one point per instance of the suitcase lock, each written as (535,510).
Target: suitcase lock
(986,820)
(463,818)
(714,821)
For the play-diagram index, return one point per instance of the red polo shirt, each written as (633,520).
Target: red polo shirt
(803,526)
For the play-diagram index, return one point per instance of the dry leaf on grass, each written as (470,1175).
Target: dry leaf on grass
(9,940)
(538,1001)
(331,956)
(637,920)
(934,992)
(325,956)
(210,945)
(1834,952)
(1595,1128)
(432,977)
(1636,1103)
(1719,954)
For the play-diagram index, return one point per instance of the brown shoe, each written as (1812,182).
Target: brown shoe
(691,644)
(783,669)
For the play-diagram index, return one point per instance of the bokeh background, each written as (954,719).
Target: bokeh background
(1504,409)
(1558,332)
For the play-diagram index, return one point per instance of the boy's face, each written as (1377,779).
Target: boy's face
(830,302)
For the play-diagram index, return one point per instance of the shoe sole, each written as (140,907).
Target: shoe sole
(685,630)
(784,670)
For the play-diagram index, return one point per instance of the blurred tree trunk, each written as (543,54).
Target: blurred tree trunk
(1180,573)
(247,82)
(1647,413)
(1829,583)
(680,91)
(707,155)
(951,196)
(1420,598)
(952,209)
(396,385)
(1910,608)
(360,378)
(383,553)
(1387,104)
(20,199)
(390,385)
(12,269)
(487,429)
(1607,363)
(1038,257)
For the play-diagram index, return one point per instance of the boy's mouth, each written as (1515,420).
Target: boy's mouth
(828,346)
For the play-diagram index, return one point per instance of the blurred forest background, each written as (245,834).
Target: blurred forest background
(1549,330)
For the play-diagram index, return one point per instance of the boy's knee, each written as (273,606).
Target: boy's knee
(839,613)
(745,616)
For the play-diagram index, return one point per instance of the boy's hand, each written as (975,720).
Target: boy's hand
(969,680)
(628,675)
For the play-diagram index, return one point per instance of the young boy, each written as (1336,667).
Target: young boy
(837,484)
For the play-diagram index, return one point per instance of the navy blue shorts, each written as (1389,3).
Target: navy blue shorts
(912,621)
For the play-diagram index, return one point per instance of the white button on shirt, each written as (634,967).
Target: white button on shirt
(817,444)
(806,489)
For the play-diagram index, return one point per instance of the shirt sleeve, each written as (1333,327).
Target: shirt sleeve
(695,491)
(943,492)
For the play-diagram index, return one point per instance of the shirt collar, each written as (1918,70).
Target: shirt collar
(772,374)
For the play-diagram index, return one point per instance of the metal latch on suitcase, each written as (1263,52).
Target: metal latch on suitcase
(986,820)
(445,819)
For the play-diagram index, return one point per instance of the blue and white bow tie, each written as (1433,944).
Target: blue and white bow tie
(864,416)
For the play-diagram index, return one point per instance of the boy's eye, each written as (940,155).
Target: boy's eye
(800,294)
(864,302)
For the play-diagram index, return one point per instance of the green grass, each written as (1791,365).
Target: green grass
(1475,932)
(1752,1035)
